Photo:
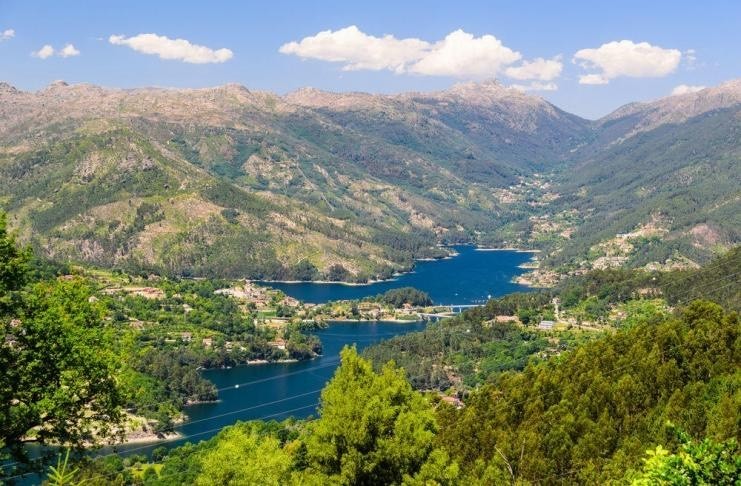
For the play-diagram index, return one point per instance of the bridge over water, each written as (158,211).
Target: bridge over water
(454,309)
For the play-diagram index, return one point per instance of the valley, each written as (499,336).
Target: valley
(204,257)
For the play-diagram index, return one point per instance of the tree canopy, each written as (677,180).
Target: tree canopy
(373,428)
(56,369)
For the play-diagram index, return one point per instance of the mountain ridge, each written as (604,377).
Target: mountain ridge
(353,184)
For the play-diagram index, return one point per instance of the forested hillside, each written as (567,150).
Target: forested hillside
(590,416)
(678,181)
(657,186)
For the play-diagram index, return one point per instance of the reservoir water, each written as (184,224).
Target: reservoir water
(272,391)
(277,391)
(468,278)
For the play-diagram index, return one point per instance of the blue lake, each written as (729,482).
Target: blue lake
(277,391)
(469,278)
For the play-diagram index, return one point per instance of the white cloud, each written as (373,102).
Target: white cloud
(626,58)
(463,55)
(69,50)
(536,86)
(172,49)
(45,52)
(593,79)
(357,50)
(684,89)
(7,34)
(539,68)
(459,54)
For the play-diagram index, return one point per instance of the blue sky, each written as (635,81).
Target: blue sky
(586,57)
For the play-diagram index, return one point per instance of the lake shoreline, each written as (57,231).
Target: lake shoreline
(336,320)
(516,250)
(329,282)
(396,275)
(149,438)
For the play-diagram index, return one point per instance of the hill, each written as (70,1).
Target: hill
(231,182)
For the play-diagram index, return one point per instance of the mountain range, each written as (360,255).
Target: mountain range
(312,185)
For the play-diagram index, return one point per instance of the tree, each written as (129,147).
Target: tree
(405,295)
(337,273)
(242,456)
(696,463)
(56,368)
(373,429)
(62,475)
(14,268)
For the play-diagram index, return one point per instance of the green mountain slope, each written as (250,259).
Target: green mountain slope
(682,177)
(588,417)
(657,185)
(230,182)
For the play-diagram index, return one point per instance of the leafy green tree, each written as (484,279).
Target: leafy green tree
(242,456)
(697,463)
(56,371)
(149,475)
(159,453)
(373,429)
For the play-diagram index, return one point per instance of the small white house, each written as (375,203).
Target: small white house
(547,325)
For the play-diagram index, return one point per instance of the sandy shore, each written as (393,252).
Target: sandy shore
(149,437)
(264,361)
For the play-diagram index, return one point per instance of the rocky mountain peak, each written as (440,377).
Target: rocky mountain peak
(6,88)
(59,83)
(676,108)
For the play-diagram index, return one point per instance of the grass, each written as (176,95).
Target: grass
(266,313)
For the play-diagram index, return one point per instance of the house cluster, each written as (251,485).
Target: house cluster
(546,325)
(261,297)
(147,292)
